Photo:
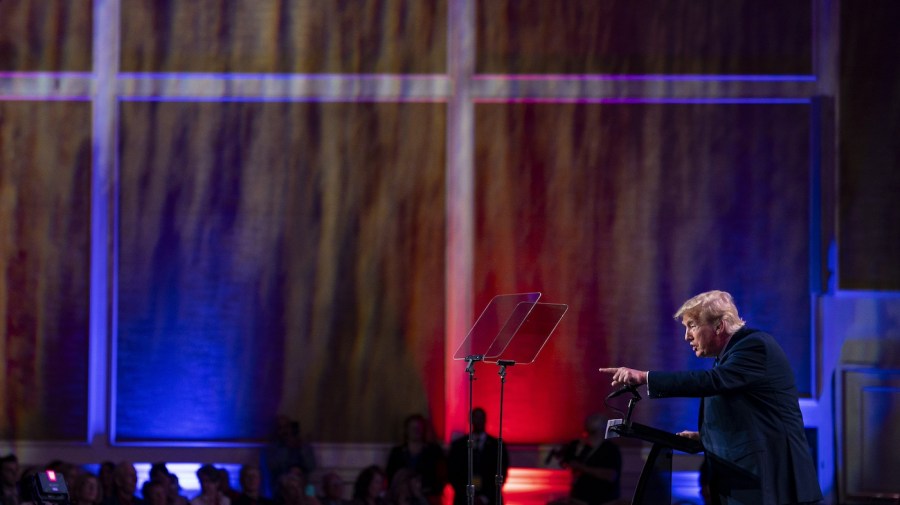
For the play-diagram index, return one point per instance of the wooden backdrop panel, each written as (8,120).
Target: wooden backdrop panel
(279,257)
(45,190)
(623,211)
(46,35)
(869,244)
(645,36)
(353,36)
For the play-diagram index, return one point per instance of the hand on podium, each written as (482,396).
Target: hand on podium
(693,435)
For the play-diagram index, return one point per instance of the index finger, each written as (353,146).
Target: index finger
(608,370)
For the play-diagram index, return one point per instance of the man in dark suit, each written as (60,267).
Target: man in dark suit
(484,463)
(751,426)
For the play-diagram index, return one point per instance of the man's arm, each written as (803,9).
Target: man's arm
(622,376)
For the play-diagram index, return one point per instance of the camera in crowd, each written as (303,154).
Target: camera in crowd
(563,454)
(46,487)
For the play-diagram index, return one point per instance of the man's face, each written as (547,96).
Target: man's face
(704,337)
(415,431)
(479,421)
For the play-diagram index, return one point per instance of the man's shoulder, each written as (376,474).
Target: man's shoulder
(749,337)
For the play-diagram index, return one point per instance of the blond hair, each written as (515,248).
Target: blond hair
(711,306)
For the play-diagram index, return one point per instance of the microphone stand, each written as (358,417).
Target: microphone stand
(470,486)
(635,397)
(499,476)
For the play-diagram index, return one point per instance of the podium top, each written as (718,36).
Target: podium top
(522,344)
(658,436)
(503,315)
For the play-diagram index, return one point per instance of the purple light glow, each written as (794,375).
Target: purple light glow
(274,77)
(780,101)
(301,99)
(645,77)
(46,75)
(45,98)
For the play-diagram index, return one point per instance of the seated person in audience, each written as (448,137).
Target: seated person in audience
(287,449)
(173,492)
(595,463)
(159,473)
(9,480)
(368,489)
(419,452)
(106,474)
(332,490)
(154,493)
(251,487)
(292,491)
(225,485)
(208,476)
(406,488)
(124,486)
(85,490)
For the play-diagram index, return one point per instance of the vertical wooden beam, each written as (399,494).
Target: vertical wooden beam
(460,197)
(106,42)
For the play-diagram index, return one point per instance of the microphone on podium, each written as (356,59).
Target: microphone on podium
(630,388)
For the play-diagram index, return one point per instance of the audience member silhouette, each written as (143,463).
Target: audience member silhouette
(173,492)
(292,490)
(369,487)
(406,488)
(85,490)
(210,494)
(287,449)
(484,464)
(332,492)
(159,474)
(155,493)
(225,485)
(9,480)
(251,487)
(106,475)
(421,453)
(595,463)
(124,486)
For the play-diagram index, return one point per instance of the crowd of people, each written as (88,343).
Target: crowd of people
(417,471)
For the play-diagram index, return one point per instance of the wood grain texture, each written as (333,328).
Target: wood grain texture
(870,154)
(46,35)
(45,173)
(273,36)
(644,37)
(625,211)
(287,257)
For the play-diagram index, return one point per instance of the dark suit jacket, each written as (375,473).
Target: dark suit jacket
(750,422)
(430,464)
(484,469)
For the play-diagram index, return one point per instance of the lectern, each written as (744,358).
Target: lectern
(655,484)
